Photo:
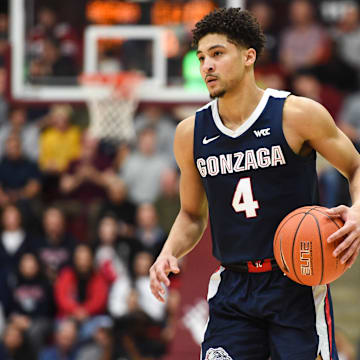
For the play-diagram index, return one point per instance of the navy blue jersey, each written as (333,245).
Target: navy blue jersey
(252,178)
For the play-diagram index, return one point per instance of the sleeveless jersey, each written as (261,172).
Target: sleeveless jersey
(252,178)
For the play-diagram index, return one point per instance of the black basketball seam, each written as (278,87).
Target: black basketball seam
(291,218)
(292,248)
(282,257)
(315,208)
(305,212)
(328,216)
(279,230)
(322,248)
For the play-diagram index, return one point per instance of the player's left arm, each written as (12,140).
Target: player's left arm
(318,130)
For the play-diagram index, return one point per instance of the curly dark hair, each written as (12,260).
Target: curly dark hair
(240,27)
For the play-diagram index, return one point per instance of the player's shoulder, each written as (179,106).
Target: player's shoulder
(306,117)
(184,141)
(185,128)
(299,107)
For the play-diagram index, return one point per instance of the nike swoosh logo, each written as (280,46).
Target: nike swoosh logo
(206,140)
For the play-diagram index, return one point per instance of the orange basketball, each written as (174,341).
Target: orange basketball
(301,248)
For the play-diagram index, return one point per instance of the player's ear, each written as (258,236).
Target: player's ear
(250,56)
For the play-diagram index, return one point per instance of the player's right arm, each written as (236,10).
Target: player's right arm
(192,219)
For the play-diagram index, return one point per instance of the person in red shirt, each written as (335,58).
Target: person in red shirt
(80,291)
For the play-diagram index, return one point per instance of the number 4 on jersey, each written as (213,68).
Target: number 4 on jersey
(243,199)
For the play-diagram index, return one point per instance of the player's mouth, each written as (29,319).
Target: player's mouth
(210,79)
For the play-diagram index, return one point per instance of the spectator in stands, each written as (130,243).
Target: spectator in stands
(264,14)
(80,290)
(15,345)
(52,67)
(144,163)
(122,299)
(57,245)
(65,346)
(60,142)
(14,241)
(150,324)
(306,83)
(347,35)
(122,153)
(268,71)
(102,344)
(84,183)
(126,247)
(28,133)
(38,71)
(163,125)
(49,26)
(117,204)
(346,80)
(305,42)
(107,260)
(148,231)
(20,179)
(167,204)
(57,64)
(32,301)
(132,323)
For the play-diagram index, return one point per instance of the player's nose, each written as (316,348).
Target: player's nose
(208,66)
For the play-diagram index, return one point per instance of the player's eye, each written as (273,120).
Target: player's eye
(217,53)
(201,58)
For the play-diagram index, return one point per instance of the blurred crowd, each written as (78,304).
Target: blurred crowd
(80,227)
(82,218)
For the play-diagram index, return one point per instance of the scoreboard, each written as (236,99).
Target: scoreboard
(161,12)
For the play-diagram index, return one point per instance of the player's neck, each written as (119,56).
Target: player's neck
(236,107)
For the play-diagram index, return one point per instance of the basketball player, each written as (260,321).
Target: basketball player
(248,159)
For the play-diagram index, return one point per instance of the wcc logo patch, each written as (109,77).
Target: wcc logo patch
(217,354)
(262,132)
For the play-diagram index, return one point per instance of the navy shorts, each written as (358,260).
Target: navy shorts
(255,316)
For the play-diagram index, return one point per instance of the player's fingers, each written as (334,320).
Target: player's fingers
(162,271)
(157,294)
(346,229)
(156,287)
(156,291)
(353,258)
(345,244)
(350,251)
(158,275)
(162,276)
(337,211)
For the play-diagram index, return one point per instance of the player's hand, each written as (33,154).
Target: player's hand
(159,271)
(349,248)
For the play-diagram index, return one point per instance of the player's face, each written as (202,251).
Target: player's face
(222,64)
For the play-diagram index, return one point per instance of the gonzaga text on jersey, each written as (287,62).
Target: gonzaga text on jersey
(241,161)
